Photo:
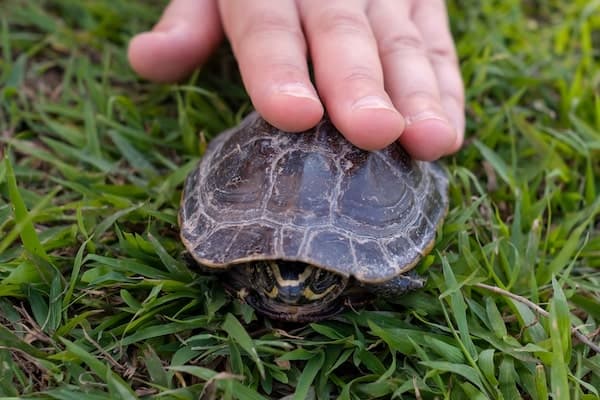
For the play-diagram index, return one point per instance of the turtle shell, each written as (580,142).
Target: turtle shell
(263,194)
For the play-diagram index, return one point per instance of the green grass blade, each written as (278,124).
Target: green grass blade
(560,337)
(238,334)
(312,368)
(27,233)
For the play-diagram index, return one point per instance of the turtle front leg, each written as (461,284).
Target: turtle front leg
(397,286)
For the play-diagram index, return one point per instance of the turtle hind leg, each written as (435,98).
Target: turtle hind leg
(397,286)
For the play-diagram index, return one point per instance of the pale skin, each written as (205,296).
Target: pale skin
(384,70)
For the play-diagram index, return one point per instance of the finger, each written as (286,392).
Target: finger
(431,18)
(348,72)
(411,80)
(178,43)
(269,45)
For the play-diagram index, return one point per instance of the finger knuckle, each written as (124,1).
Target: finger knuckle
(423,97)
(336,20)
(401,43)
(287,68)
(359,74)
(457,96)
(442,53)
(261,24)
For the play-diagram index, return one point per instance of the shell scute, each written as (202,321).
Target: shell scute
(371,262)
(330,248)
(231,181)
(363,200)
(291,241)
(230,243)
(301,189)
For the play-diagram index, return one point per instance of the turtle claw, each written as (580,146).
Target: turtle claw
(397,286)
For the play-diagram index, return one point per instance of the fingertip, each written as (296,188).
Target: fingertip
(429,139)
(171,52)
(455,111)
(371,129)
(141,55)
(290,113)
(164,56)
(457,145)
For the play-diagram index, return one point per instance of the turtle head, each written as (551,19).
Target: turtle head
(289,290)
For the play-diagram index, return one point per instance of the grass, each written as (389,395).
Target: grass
(96,299)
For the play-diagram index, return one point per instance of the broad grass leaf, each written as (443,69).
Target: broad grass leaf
(564,257)
(472,392)
(155,367)
(458,307)
(296,355)
(235,358)
(9,339)
(118,388)
(66,169)
(395,339)
(135,158)
(200,372)
(238,334)
(27,231)
(327,331)
(24,273)
(82,156)
(55,304)
(153,331)
(501,168)
(370,361)
(99,368)
(131,301)
(529,321)
(469,373)
(377,389)
(345,355)
(560,337)
(74,278)
(486,364)
(69,393)
(91,130)
(306,379)
(541,384)
(277,373)
(495,318)
(169,262)
(111,219)
(243,392)
(128,266)
(508,378)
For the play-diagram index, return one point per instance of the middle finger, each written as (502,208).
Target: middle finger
(348,72)
(269,46)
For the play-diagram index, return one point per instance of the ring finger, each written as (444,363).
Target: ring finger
(411,80)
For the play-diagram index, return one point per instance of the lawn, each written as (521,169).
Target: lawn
(97,300)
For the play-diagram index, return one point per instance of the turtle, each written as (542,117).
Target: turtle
(304,225)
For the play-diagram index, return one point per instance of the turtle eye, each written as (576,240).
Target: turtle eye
(317,274)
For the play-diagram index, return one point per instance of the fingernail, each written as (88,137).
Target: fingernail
(456,113)
(371,102)
(173,31)
(424,115)
(298,89)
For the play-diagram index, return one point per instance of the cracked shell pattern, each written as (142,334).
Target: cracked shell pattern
(260,193)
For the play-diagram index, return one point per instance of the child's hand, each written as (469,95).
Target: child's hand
(384,69)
